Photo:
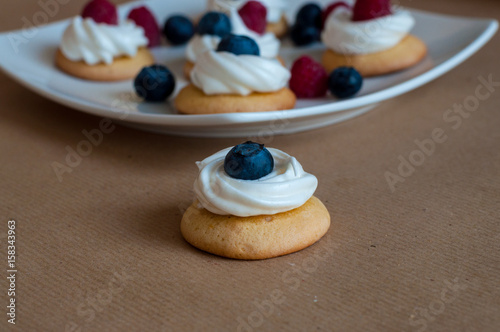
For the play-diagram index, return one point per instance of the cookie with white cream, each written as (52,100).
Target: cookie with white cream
(103,51)
(254,203)
(373,37)
(235,78)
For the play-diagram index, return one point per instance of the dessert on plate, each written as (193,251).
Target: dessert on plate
(215,25)
(95,46)
(254,203)
(235,78)
(373,37)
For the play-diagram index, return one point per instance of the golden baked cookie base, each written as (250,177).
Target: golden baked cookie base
(256,237)
(406,53)
(122,68)
(192,100)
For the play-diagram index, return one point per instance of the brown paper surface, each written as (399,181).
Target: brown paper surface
(102,250)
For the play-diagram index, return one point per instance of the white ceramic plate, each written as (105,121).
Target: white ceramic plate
(27,56)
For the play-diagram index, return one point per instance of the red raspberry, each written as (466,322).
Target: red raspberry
(254,15)
(369,9)
(309,78)
(101,11)
(145,19)
(330,9)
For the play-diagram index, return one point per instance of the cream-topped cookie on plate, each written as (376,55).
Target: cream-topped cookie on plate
(235,78)
(100,48)
(373,37)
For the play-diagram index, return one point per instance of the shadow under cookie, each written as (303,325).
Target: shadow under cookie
(192,100)
(256,237)
(406,53)
(122,68)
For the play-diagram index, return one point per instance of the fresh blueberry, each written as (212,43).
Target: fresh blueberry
(248,161)
(154,83)
(303,35)
(214,23)
(309,15)
(238,45)
(344,82)
(178,29)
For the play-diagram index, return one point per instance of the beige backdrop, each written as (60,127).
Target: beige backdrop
(102,251)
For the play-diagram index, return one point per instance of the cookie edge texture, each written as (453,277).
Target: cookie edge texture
(407,53)
(192,100)
(121,68)
(256,237)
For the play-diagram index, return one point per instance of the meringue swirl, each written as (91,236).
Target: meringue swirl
(93,43)
(200,44)
(287,187)
(227,73)
(347,37)
(269,45)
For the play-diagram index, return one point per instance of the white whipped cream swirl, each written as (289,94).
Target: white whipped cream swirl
(287,187)
(347,37)
(269,45)
(200,44)
(227,73)
(94,43)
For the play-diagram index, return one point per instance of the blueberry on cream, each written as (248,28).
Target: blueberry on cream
(238,45)
(248,161)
